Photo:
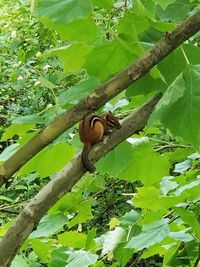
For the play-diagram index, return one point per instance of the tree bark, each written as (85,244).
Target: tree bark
(101,95)
(30,216)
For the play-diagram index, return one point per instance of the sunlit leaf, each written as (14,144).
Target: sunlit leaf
(62,11)
(49,225)
(16,129)
(73,239)
(49,160)
(151,234)
(112,239)
(81,258)
(166,185)
(147,198)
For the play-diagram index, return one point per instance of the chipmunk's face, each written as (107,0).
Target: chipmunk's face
(111,121)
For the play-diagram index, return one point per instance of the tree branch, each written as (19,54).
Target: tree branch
(101,95)
(29,217)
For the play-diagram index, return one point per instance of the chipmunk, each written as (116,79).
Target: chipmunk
(91,131)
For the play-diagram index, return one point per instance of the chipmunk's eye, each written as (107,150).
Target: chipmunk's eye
(110,121)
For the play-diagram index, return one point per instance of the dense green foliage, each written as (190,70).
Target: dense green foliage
(142,208)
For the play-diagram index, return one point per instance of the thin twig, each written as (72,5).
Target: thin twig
(9,211)
(198,258)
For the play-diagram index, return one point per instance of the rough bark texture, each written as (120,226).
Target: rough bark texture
(29,217)
(100,96)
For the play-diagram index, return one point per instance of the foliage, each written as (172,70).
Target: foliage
(142,206)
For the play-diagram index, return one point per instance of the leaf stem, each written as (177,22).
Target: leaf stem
(185,56)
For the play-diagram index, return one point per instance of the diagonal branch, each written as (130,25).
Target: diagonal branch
(30,216)
(101,95)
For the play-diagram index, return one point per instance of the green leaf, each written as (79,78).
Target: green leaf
(123,255)
(62,11)
(73,239)
(179,154)
(20,261)
(132,24)
(145,85)
(16,129)
(72,56)
(177,60)
(180,106)
(7,199)
(104,60)
(188,186)
(183,166)
(9,151)
(81,258)
(166,185)
(181,236)
(49,225)
(162,26)
(106,4)
(90,243)
(177,11)
(46,83)
(42,249)
(150,235)
(130,218)
(74,94)
(36,119)
(147,198)
(164,3)
(59,258)
(112,239)
(84,213)
(69,31)
(115,161)
(190,219)
(145,165)
(50,160)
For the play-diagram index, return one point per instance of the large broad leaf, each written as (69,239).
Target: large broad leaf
(73,239)
(177,11)
(180,106)
(106,4)
(132,24)
(147,198)
(74,94)
(177,60)
(130,218)
(20,261)
(117,160)
(84,213)
(49,225)
(69,31)
(72,56)
(62,11)
(59,257)
(151,234)
(34,118)
(189,219)
(138,163)
(9,151)
(166,185)
(16,129)
(145,165)
(181,236)
(146,85)
(81,258)
(42,249)
(112,239)
(49,160)
(107,59)
(164,3)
